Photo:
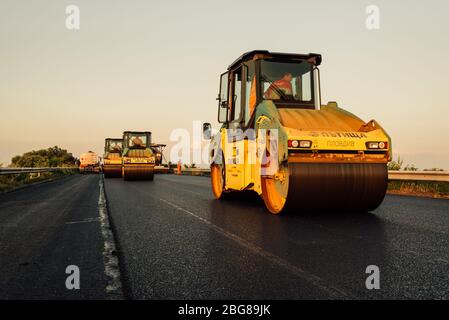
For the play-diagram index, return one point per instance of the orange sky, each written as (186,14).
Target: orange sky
(155,65)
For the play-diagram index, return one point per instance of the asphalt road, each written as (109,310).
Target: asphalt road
(45,228)
(175,241)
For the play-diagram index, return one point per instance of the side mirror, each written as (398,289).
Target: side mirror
(207,131)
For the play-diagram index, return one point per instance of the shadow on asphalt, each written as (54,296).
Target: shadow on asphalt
(250,200)
(247,208)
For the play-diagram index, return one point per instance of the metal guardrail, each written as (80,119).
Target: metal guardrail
(4,171)
(161,169)
(439,176)
(195,171)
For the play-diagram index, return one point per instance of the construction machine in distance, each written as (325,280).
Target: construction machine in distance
(112,158)
(158,150)
(278,140)
(138,157)
(89,163)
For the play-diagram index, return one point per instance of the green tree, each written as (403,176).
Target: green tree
(51,157)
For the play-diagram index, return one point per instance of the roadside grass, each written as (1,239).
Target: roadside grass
(13,181)
(420,188)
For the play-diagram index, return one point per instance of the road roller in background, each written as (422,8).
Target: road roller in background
(158,150)
(89,163)
(112,159)
(138,157)
(280,141)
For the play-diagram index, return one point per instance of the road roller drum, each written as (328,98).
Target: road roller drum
(138,172)
(112,171)
(329,187)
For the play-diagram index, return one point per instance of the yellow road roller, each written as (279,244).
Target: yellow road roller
(138,157)
(112,158)
(280,141)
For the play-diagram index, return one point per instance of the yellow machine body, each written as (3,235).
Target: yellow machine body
(137,157)
(112,158)
(325,157)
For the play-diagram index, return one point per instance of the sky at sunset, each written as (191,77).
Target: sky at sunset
(155,65)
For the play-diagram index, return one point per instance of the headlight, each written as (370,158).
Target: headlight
(299,143)
(377,145)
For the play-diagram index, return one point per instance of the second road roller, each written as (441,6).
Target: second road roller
(112,158)
(280,141)
(138,157)
(158,150)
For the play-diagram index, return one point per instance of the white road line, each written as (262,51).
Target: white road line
(110,259)
(84,221)
(315,280)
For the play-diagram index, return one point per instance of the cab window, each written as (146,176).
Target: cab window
(236,95)
(223,98)
(250,90)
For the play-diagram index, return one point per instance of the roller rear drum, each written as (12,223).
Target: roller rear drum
(138,172)
(112,171)
(327,187)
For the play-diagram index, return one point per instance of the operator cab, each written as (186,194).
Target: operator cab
(158,150)
(113,145)
(288,80)
(136,140)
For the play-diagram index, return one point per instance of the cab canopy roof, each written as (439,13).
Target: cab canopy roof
(112,139)
(137,132)
(313,58)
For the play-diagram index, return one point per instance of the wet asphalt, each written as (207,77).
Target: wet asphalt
(178,242)
(175,241)
(44,229)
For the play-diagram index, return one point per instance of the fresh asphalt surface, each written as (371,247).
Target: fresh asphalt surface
(176,242)
(45,228)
